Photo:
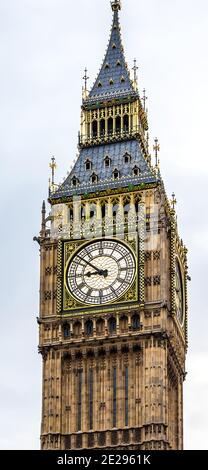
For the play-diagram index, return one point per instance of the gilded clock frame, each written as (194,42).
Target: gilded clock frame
(68,305)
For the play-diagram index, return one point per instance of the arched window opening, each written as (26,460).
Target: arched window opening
(136,171)
(88,165)
(127,158)
(77,329)
(94,128)
(94,178)
(107,162)
(102,127)
(89,328)
(135,322)
(123,324)
(110,126)
(67,332)
(112,325)
(74,181)
(100,326)
(126,123)
(118,124)
(116,174)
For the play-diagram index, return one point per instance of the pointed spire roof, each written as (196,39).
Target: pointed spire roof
(113,80)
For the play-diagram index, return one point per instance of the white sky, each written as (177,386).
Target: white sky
(44,47)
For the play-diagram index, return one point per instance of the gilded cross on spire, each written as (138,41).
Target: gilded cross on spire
(144,99)
(156,148)
(85,78)
(53,166)
(173,201)
(135,68)
(116,5)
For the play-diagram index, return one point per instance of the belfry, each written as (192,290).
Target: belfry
(113,281)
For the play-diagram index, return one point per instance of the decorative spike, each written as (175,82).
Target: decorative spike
(156,149)
(43,223)
(85,78)
(53,166)
(135,68)
(173,201)
(144,99)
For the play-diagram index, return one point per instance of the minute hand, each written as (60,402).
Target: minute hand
(90,264)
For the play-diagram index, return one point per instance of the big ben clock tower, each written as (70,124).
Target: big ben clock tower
(113,282)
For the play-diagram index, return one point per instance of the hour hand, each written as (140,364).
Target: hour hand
(89,274)
(100,272)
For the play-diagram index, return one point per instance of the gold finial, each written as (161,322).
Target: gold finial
(135,68)
(85,78)
(53,166)
(144,99)
(147,140)
(116,5)
(173,201)
(156,149)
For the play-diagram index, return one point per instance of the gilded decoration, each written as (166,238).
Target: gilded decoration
(69,304)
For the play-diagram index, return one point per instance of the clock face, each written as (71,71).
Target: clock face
(101,272)
(179,294)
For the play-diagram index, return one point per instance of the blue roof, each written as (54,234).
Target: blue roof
(105,175)
(114,77)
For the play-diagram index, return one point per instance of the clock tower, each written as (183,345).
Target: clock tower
(113,281)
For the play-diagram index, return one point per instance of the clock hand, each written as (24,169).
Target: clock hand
(90,264)
(100,273)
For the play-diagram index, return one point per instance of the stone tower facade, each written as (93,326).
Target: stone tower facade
(113,282)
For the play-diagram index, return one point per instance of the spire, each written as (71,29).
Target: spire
(113,80)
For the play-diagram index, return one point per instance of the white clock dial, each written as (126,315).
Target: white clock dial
(179,294)
(101,272)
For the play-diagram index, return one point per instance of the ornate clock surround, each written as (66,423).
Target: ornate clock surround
(67,304)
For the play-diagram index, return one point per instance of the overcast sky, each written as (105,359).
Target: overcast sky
(44,48)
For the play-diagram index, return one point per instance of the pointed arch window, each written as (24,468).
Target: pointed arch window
(126,123)
(88,165)
(114,46)
(66,330)
(111,81)
(136,171)
(94,178)
(77,328)
(136,321)
(118,63)
(102,127)
(112,325)
(107,162)
(107,66)
(89,328)
(99,85)
(94,128)
(122,79)
(127,158)
(116,174)
(110,125)
(74,181)
(118,124)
